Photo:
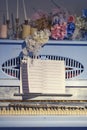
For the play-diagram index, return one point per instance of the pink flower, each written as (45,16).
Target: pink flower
(58,31)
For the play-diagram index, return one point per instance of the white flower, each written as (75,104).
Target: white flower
(39,38)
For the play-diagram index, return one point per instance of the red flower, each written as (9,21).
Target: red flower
(71,19)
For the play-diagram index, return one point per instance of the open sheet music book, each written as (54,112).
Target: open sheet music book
(46,76)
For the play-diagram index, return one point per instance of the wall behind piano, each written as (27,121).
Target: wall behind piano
(74,7)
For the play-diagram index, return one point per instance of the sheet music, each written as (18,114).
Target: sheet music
(46,76)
